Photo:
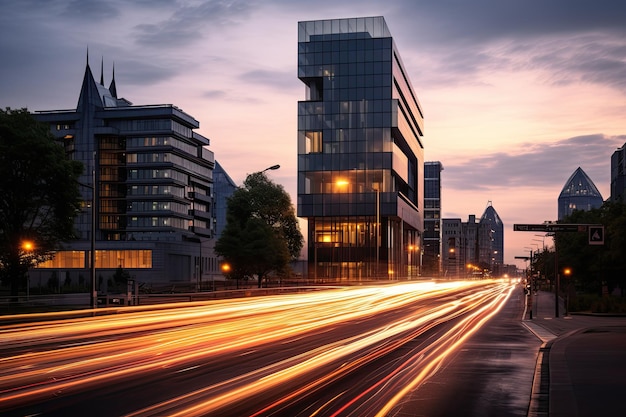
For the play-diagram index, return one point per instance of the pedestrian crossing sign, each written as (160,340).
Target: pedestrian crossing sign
(596,235)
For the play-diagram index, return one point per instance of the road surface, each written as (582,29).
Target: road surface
(357,351)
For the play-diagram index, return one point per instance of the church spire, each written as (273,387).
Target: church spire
(112,87)
(89,95)
(102,72)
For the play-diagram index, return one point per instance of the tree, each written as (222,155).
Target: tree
(39,195)
(261,234)
(593,266)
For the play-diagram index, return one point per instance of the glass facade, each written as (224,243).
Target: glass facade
(360,152)
(431,251)
(491,241)
(579,193)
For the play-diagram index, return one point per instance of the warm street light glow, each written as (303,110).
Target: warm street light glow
(225,268)
(567,271)
(28,246)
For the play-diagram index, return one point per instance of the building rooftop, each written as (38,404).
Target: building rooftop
(579,185)
(375,27)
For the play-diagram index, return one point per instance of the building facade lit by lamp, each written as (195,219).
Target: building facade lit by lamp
(360,152)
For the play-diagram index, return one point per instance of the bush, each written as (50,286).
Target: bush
(597,304)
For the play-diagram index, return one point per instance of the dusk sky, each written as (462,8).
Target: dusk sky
(516,94)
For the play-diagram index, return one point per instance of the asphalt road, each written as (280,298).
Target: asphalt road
(491,375)
(405,350)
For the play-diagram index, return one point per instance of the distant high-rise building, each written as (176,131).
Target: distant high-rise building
(431,250)
(452,257)
(151,178)
(491,240)
(618,175)
(579,193)
(473,248)
(360,151)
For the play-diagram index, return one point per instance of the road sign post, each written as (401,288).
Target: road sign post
(596,237)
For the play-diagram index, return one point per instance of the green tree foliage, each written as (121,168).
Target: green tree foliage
(261,234)
(39,195)
(593,267)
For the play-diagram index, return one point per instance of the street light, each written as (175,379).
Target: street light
(543,241)
(567,272)
(92,252)
(28,246)
(272,168)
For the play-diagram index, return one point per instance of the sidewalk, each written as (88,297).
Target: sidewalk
(581,367)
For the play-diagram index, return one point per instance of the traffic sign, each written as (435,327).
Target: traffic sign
(567,227)
(596,235)
(530,227)
(554,227)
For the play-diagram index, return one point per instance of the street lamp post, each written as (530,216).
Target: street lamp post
(28,247)
(94,294)
(92,251)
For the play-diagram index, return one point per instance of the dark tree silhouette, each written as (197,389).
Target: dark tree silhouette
(261,234)
(39,195)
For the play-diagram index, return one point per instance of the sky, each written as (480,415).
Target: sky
(516,94)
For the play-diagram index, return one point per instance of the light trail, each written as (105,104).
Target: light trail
(66,355)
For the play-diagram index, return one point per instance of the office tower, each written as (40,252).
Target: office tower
(452,255)
(490,237)
(148,182)
(360,152)
(431,249)
(578,193)
(475,248)
(618,175)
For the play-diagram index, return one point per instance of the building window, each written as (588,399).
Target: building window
(313,142)
(104,259)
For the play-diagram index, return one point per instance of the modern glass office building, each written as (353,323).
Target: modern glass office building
(431,249)
(148,182)
(360,152)
(578,193)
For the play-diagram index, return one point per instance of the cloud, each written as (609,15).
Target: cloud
(279,80)
(535,165)
(191,22)
(90,10)
(214,94)
(483,21)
